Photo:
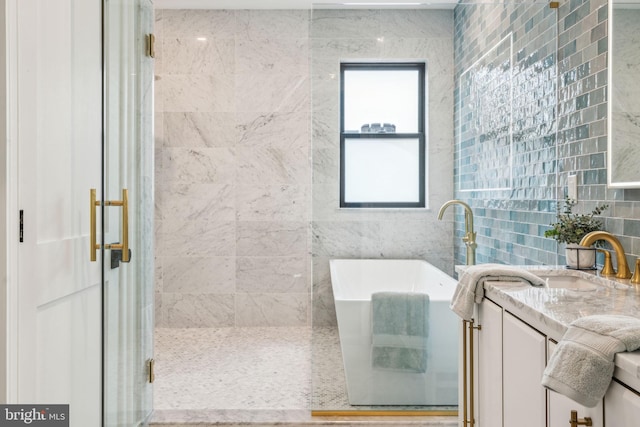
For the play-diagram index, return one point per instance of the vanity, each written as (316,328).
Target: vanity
(515,331)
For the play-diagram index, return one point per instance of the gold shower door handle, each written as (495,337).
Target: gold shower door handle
(124,246)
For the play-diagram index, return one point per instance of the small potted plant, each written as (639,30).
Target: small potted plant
(571,228)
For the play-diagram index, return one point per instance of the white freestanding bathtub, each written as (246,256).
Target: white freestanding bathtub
(353,283)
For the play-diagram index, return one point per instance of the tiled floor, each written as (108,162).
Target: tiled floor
(255,376)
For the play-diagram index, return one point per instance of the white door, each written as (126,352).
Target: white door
(59,122)
(76,132)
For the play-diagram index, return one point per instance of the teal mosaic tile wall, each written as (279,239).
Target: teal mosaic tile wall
(544,116)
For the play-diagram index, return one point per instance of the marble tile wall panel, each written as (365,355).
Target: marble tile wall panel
(275,238)
(284,130)
(233,170)
(378,233)
(272,165)
(272,24)
(189,129)
(196,202)
(266,202)
(199,55)
(197,92)
(198,23)
(198,165)
(272,274)
(196,238)
(272,309)
(183,310)
(206,275)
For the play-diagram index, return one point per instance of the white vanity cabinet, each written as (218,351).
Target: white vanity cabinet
(488,381)
(509,362)
(524,359)
(621,406)
(560,406)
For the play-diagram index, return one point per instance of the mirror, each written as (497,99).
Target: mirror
(624,94)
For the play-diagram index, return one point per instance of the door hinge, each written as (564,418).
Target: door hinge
(151,45)
(21,231)
(151,369)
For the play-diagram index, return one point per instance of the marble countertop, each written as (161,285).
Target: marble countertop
(551,310)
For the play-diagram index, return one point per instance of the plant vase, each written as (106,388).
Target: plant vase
(580,257)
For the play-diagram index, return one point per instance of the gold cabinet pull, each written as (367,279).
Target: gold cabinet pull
(124,246)
(93,246)
(575,422)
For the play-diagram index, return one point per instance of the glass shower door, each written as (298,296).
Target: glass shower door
(128,221)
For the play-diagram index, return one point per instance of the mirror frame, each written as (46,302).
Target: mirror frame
(610,182)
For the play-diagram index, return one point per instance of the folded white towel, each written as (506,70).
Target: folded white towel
(582,365)
(470,289)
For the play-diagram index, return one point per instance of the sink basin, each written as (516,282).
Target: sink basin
(570,282)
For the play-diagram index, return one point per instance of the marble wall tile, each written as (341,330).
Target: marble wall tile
(256,309)
(324,311)
(419,23)
(159,318)
(272,274)
(326,204)
(326,129)
(343,49)
(346,239)
(279,92)
(197,310)
(272,166)
(266,203)
(198,165)
(197,92)
(234,154)
(196,202)
(326,166)
(199,129)
(415,239)
(273,55)
(326,95)
(199,275)
(285,130)
(158,131)
(158,99)
(341,24)
(355,233)
(272,24)
(199,55)
(273,238)
(198,23)
(197,238)
(158,32)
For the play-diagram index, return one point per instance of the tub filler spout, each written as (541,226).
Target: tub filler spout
(469,238)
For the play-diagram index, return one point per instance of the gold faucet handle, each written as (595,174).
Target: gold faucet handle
(608,269)
(636,273)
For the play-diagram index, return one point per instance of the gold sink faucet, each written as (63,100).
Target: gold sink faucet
(591,238)
(469,238)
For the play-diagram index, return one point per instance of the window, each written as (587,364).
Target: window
(382,135)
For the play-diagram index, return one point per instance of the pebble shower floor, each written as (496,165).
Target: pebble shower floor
(247,376)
